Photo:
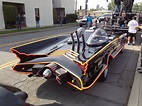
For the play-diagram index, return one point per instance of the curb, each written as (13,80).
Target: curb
(38,30)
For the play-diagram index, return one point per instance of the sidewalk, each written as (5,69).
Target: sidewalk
(33,29)
(135,98)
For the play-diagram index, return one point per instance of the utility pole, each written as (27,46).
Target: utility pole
(86,6)
(76,7)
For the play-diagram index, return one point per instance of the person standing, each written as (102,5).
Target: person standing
(19,20)
(132,30)
(117,5)
(60,19)
(37,20)
(128,4)
(89,21)
(123,20)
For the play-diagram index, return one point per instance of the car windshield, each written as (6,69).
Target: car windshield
(98,37)
(99,33)
(105,15)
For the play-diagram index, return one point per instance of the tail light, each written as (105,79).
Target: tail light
(83,67)
(61,76)
(49,70)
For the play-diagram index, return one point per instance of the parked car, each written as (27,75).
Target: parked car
(83,21)
(104,16)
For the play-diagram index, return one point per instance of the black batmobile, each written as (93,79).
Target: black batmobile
(79,59)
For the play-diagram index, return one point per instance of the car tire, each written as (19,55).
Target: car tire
(121,51)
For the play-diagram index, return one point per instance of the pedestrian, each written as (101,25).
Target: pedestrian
(60,19)
(123,20)
(132,30)
(106,21)
(89,21)
(117,5)
(19,20)
(140,26)
(37,20)
(128,4)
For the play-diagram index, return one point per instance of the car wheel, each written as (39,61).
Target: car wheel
(121,51)
(104,75)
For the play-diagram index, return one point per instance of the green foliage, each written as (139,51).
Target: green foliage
(9,12)
(92,9)
(98,8)
(111,5)
(71,18)
(137,7)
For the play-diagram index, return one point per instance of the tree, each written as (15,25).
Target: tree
(97,7)
(140,7)
(101,8)
(137,7)
(92,9)
(111,5)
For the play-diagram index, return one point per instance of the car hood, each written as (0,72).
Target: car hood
(84,20)
(101,17)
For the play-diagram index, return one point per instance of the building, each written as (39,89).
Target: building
(64,6)
(97,13)
(29,8)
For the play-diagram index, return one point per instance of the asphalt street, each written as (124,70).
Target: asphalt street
(114,91)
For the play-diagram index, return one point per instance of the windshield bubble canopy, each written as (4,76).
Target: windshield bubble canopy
(99,37)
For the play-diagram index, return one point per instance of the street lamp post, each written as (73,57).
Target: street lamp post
(86,6)
(76,7)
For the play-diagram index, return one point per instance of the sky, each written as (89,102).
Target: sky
(94,3)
